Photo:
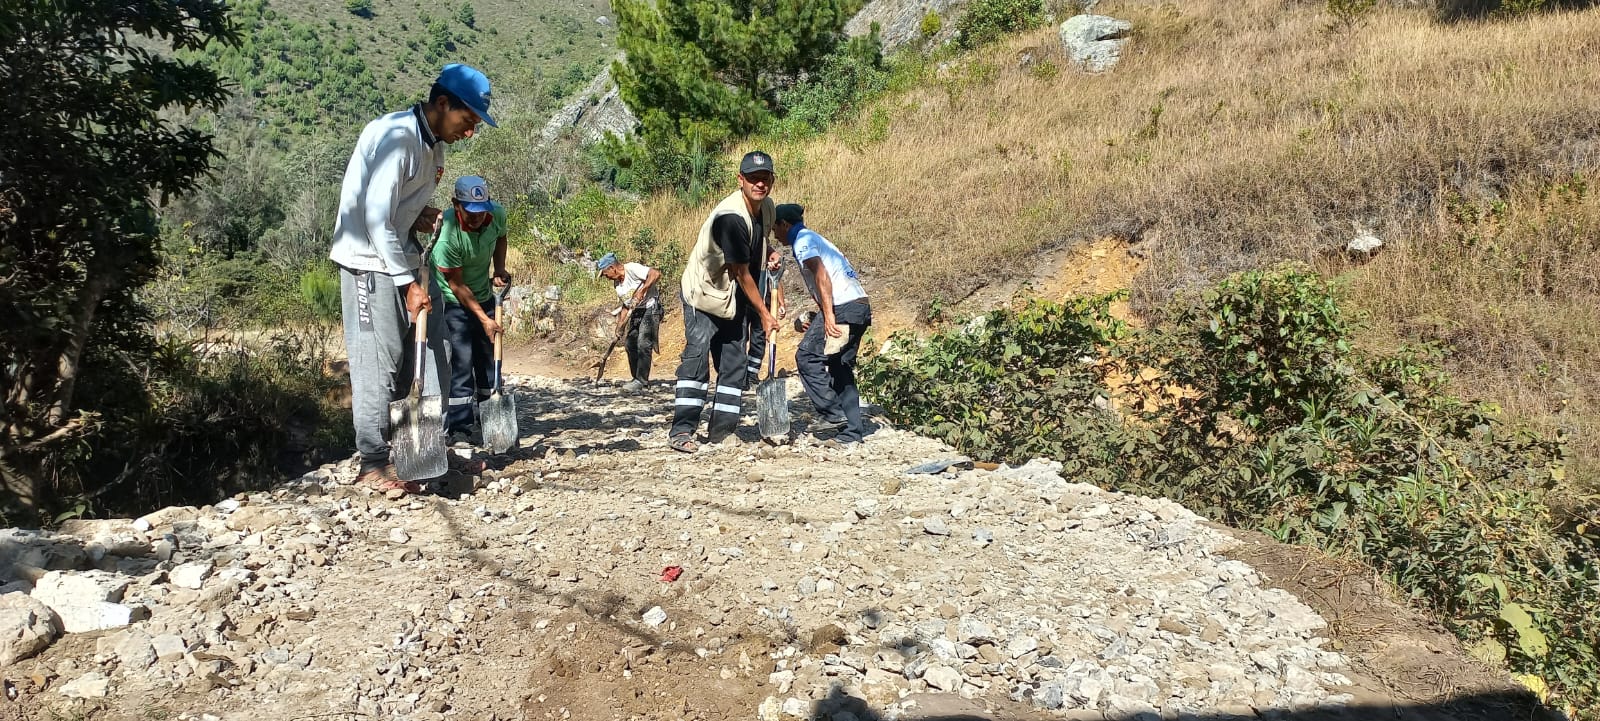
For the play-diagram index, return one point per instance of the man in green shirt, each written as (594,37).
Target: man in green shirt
(470,238)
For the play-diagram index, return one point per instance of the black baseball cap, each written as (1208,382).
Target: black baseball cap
(755,161)
(791,213)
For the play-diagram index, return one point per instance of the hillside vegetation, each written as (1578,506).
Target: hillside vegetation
(1236,134)
(308,66)
(1333,403)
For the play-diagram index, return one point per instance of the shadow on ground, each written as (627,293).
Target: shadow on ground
(1496,706)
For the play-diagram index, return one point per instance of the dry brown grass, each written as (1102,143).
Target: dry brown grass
(1230,131)
(1515,297)
(1238,133)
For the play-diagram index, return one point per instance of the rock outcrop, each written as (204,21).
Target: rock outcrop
(1094,42)
(598,111)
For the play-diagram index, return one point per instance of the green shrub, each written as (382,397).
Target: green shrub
(1009,385)
(986,21)
(664,158)
(1349,13)
(1251,406)
(359,8)
(835,92)
(930,26)
(585,220)
(319,291)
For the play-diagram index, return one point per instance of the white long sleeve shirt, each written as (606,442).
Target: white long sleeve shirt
(392,174)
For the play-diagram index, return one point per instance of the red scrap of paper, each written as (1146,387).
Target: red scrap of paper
(671,573)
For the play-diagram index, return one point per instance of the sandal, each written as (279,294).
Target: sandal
(683,443)
(386,481)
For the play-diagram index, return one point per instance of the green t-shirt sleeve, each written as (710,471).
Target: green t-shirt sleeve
(498,212)
(448,253)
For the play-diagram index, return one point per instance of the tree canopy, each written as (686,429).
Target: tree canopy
(721,64)
(91,149)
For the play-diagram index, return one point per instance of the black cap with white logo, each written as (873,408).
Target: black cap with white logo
(754,161)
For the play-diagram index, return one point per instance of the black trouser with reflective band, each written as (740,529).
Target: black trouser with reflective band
(643,327)
(758,349)
(830,380)
(471,364)
(708,337)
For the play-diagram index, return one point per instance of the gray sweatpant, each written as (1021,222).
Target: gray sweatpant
(379,343)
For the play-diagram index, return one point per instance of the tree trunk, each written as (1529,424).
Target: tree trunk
(95,287)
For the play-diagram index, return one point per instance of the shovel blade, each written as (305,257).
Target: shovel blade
(497,416)
(772,408)
(417,446)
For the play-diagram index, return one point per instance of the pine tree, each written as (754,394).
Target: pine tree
(718,66)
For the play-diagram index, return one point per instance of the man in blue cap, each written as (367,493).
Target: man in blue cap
(641,312)
(471,238)
(383,207)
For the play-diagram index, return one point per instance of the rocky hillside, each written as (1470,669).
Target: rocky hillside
(596,574)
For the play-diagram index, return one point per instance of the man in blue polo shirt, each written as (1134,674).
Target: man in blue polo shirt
(383,208)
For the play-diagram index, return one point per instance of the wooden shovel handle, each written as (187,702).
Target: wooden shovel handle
(421,347)
(499,314)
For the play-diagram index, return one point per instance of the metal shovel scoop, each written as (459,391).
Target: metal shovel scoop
(417,446)
(497,415)
(772,397)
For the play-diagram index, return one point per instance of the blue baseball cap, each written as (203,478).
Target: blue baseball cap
(606,261)
(470,86)
(473,194)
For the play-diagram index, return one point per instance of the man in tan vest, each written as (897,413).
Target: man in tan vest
(719,295)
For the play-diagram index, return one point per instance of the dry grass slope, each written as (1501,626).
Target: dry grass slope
(1237,133)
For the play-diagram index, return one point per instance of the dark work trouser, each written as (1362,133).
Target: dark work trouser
(758,350)
(644,325)
(830,380)
(708,337)
(378,342)
(471,365)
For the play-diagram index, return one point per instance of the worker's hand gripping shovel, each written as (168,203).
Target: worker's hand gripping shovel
(497,415)
(418,445)
(772,397)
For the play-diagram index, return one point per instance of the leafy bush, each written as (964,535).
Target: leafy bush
(664,158)
(1250,405)
(586,220)
(986,21)
(930,26)
(466,16)
(847,79)
(359,8)
(1349,13)
(1009,385)
(97,94)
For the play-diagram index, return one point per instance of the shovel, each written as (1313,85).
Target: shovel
(772,397)
(600,365)
(417,446)
(497,415)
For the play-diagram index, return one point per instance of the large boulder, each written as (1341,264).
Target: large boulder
(85,601)
(26,627)
(1094,42)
